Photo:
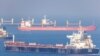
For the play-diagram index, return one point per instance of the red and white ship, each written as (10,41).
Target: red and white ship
(48,25)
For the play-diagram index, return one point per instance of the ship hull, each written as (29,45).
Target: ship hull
(48,28)
(53,50)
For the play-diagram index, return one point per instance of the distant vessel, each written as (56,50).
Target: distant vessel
(80,43)
(4,34)
(49,25)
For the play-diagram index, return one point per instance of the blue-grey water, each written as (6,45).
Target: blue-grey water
(47,37)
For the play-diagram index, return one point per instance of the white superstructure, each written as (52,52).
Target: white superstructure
(81,40)
(26,23)
(3,33)
(46,21)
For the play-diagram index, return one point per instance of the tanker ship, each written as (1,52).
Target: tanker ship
(50,25)
(80,43)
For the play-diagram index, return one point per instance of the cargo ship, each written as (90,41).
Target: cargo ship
(50,25)
(80,43)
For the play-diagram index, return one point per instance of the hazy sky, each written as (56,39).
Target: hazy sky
(50,7)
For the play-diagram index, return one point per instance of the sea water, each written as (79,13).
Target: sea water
(47,37)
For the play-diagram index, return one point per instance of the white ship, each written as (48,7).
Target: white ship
(3,33)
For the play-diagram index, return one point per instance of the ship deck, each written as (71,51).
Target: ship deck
(36,45)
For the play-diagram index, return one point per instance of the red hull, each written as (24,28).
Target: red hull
(85,28)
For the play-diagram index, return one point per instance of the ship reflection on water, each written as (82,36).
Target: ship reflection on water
(46,54)
(49,54)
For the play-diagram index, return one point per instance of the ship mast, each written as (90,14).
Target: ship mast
(13,38)
(44,21)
